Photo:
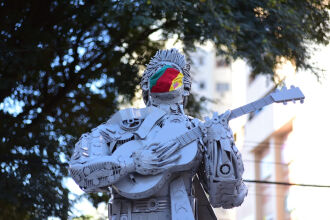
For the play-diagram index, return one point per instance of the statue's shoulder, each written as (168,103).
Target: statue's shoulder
(130,119)
(194,121)
(128,115)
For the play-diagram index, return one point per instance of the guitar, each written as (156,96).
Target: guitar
(137,186)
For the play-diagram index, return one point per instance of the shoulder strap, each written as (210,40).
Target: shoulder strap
(149,121)
(203,209)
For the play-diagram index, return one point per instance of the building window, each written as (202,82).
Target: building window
(271,166)
(252,77)
(221,62)
(266,165)
(201,60)
(222,87)
(264,172)
(202,85)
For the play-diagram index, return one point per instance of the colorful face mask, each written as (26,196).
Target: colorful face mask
(166,79)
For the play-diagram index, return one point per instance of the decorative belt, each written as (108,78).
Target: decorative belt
(151,205)
(125,206)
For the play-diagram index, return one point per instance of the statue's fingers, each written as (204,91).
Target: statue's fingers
(169,160)
(173,148)
(162,154)
(225,115)
(161,150)
(161,147)
(169,152)
(152,146)
(165,146)
(157,158)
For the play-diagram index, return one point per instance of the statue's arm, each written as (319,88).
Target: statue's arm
(102,172)
(223,164)
(91,165)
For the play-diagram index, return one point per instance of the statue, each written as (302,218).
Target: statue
(158,162)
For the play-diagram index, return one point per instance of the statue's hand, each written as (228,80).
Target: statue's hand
(155,158)
(218,127)
(224,117)
(224,124)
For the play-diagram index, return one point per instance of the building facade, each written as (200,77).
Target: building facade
(280,144)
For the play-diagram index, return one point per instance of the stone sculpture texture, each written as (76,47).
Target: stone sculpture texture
(158,162)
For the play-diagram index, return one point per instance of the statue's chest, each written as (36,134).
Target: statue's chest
(164,130)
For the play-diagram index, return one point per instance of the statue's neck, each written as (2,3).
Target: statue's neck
(171,102)
(174,108)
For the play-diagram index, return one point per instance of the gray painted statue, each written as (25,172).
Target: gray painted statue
(158,162)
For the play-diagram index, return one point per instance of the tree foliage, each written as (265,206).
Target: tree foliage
(65,66)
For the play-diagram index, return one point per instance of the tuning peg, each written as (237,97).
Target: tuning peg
(294,101)
(284,103)
(302,101)
(292,87)
(284,88)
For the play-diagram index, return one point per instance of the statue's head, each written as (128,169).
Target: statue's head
(166,79)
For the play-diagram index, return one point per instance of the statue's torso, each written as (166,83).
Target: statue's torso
(170,126)
(148,197)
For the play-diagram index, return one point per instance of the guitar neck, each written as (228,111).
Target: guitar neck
(196,132)
(284,96)
(251,107)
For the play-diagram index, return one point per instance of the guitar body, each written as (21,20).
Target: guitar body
(139,186)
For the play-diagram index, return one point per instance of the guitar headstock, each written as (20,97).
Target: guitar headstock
(286,95)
